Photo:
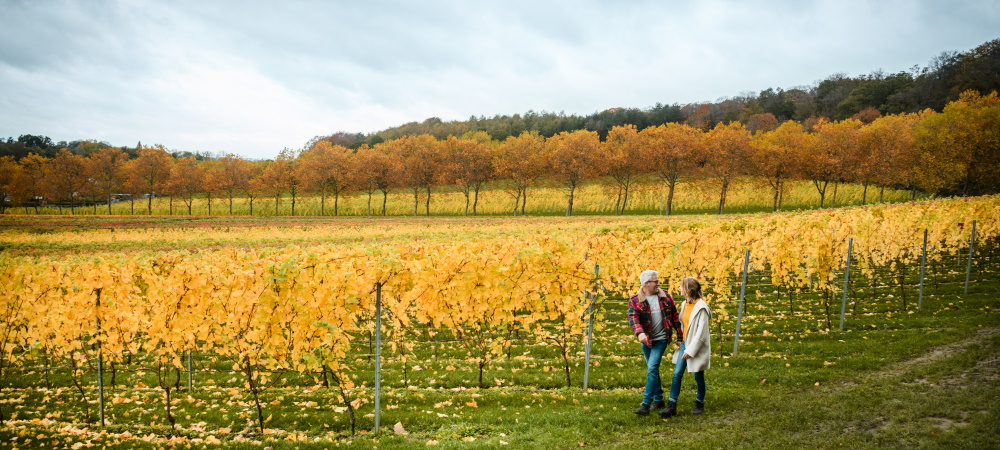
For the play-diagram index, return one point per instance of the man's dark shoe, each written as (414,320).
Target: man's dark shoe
(699,407)
(643,410)
(657,405)
(669,411)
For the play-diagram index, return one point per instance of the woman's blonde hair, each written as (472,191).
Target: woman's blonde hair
(692,286)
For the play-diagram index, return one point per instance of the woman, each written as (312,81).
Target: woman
(695,352)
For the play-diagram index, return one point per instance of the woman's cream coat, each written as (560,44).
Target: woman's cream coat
(697,342)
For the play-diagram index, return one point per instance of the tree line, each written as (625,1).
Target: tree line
(837,97)
(956,151)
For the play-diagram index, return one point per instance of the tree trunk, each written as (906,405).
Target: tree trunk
(864,194)
(427,205)
(566,363)
(822,191)
(385,196)
(722,196)
(777,192)
(254,389)
(569,205)
(670,197)
(475,201)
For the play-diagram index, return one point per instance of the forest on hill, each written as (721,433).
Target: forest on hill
(837,97)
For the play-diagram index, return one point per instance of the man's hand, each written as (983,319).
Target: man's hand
(644,339)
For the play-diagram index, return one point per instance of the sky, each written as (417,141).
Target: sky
(254,77)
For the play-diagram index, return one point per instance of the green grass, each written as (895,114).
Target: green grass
(894,378)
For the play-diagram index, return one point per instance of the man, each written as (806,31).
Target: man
(653,316)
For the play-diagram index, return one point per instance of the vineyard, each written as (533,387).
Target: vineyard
(162,332)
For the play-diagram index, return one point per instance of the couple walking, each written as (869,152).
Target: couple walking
(653,315)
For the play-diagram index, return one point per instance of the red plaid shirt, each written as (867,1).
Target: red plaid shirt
(640,318)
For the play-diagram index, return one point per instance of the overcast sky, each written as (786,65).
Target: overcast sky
(254,77)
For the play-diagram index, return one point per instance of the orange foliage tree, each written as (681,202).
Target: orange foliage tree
(727,149)
(573,158)
(625,162)
(776,156)
(150,172)
(519,161)
(468,163)
(673,151)
(68,176)
(232,176)
(107,169)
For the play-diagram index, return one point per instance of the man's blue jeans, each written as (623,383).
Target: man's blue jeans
(653,354)
(675,383)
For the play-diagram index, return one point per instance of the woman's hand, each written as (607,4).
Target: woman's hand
(686,356)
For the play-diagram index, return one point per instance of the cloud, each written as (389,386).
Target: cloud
(254,77)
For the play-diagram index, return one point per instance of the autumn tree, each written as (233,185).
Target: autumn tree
(281,176)
(672,151)
(727,154)
(186,180)
(573,159)
(625,162)
(107,169)
(327,168)
(960,148)
(834,152)
(775,156)
(32,180)
(212,178)
(364,162)
(520,163)
(232,176)
(151,172)
(468,163)
(421,160)
(889,153)
(9,173)
(379,171)
(762,122)
(257,185)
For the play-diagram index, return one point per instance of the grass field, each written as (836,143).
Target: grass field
(893,378)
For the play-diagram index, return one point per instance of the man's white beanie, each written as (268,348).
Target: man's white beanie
(646,276)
